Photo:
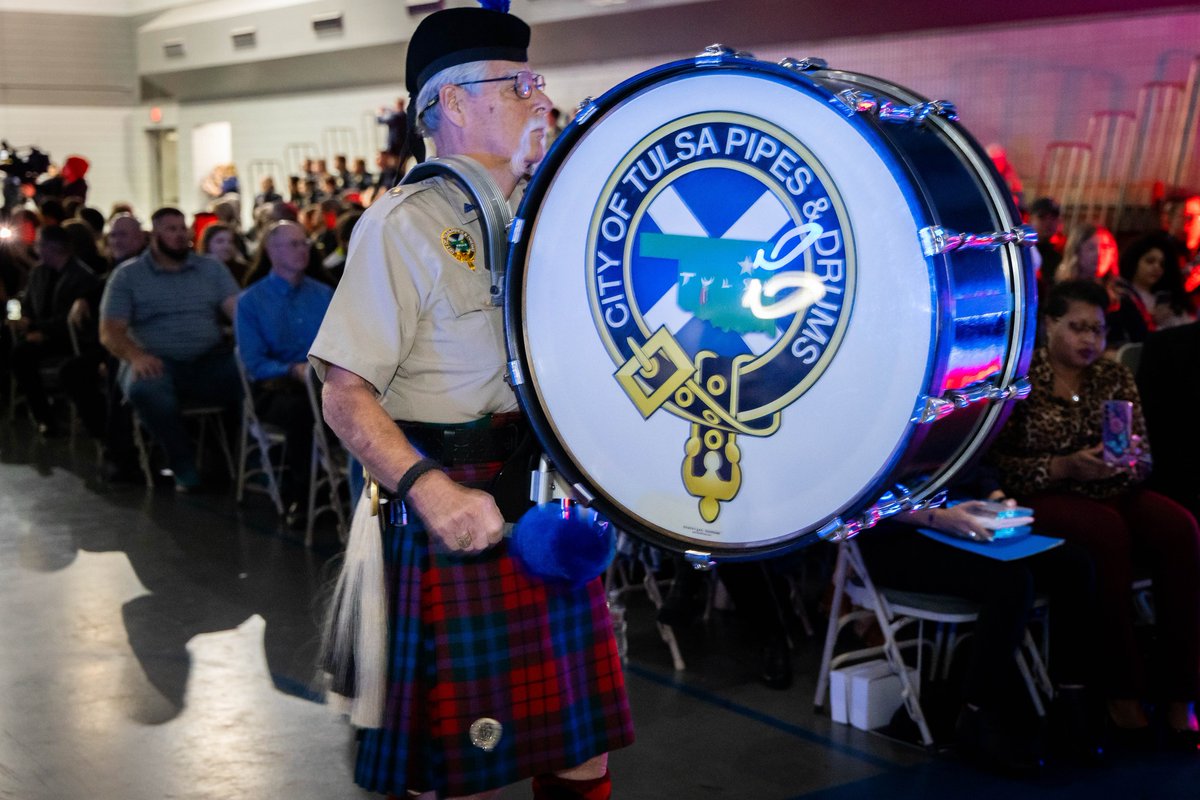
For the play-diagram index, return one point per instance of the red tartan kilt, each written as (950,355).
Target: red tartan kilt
(538,658)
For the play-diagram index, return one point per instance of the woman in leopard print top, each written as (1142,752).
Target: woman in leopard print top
(1049,457)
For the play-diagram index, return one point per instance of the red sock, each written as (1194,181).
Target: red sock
(552,787)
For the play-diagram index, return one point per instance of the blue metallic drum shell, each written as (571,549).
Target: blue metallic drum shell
(592,383)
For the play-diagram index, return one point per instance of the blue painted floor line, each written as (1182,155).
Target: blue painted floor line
(789,728)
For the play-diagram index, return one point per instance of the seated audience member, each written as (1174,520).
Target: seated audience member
(1049,455)
(58,280)
(14,271)
(1169,383)
(125,239)
(228,211)
(335,262)
(267,193)
(219,242)
(118,208)
(15,266)
(310,192)
(360,179)
(161,317)
(341,171)
(84,246)
(1179,220)
(52,211)
(24,223)
(330,188)
(71,207)
(277,320)
(295,190)
(107,419)
(1045,217)
(1089,254)
(94,217)
(1149,292)
(900,557)
(389,170)
(265,214)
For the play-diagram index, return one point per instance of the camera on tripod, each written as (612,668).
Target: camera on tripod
(21,167)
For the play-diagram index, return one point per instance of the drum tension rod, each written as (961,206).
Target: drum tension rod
(936,240)
(716,53)
(886,111)
(806,64)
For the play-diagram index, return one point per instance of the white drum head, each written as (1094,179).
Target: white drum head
(726,314)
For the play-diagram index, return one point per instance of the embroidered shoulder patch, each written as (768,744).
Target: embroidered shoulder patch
(458,243)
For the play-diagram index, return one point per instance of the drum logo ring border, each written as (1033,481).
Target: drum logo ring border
(704,388)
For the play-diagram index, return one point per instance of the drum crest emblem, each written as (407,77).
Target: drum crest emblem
(721,277)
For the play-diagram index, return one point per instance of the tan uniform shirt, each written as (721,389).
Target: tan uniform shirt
(413,320)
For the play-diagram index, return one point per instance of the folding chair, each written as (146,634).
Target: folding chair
(257,441)
(200,416)
(895,610)
(619,582)
(326,468)
(48,371)
(1131,356)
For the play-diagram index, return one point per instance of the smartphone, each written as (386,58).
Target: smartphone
(1116,429)
(13,309)
(1002,511)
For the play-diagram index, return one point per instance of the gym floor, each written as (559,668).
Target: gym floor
(155,645)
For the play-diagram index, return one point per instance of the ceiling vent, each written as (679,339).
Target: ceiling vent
(173,48)
(244,38)
(329,24)
(423,6)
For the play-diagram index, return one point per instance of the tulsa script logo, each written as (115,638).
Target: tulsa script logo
(721,278)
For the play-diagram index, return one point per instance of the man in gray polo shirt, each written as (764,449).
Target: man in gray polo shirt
(161,315)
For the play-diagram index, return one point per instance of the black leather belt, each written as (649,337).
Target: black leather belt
(489,440)
(494,454)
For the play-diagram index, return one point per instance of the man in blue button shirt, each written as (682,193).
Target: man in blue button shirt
(277,320)
(162,315)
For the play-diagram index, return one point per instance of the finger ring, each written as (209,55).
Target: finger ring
(464,539)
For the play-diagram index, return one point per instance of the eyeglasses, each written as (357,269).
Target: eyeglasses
(1095,328)
(523,84)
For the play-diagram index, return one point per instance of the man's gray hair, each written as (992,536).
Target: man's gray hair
(429,119)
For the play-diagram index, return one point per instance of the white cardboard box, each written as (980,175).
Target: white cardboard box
(866,695)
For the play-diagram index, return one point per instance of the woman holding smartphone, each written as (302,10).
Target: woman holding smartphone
(1052,455)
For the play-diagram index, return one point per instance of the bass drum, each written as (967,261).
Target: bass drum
(739,315)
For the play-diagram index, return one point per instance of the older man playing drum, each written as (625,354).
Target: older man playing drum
(491,676)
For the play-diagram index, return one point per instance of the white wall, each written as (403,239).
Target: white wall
(112,139)
(263,127)
(1022,86)
(116,8)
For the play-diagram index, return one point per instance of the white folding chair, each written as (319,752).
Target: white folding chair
(257,441)
(894,610)
(199,417)
(326,469)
